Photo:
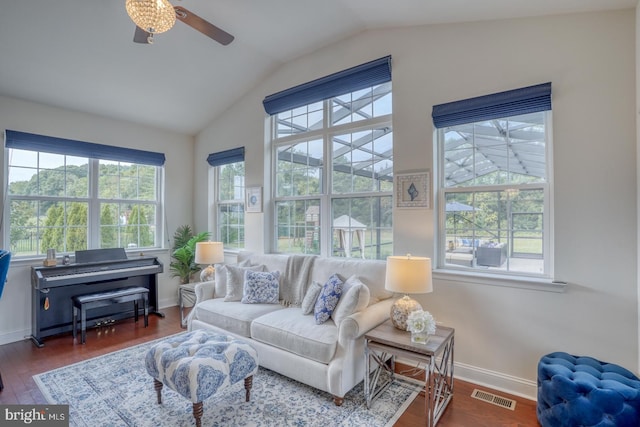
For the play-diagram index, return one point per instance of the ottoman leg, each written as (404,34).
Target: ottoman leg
(248,383)
(197,413)
(158,386)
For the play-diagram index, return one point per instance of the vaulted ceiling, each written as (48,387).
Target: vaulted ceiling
(80,55)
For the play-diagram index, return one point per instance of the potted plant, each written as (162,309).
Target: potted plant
(184,252)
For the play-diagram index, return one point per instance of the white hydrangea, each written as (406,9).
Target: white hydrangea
(421,321)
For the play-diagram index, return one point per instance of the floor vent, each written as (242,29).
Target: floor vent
(494,399)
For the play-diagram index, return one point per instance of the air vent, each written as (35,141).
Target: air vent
(494,399)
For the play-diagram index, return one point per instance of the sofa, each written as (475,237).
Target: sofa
(328,356)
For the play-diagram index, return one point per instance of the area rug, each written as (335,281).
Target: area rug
(115,390)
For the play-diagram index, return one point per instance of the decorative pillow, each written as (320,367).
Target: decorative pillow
(235,281)
(328,299)
(355,298)
(261,287)
(221,277)
(310,298)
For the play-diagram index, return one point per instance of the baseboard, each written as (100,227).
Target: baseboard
(516,386)
(9,337)
(167,302)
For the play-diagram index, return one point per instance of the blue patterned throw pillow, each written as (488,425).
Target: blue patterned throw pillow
(261,287)
(328,299)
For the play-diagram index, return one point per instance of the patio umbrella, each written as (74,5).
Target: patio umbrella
(458,207)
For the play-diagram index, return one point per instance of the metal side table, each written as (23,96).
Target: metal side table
(186,294)
(385,342)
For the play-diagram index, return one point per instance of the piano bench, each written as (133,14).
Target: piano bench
(86,302)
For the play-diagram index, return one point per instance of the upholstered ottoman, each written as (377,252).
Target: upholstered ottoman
(200,364)
(582,391)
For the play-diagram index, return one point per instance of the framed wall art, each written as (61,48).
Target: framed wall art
(413,190)
(253,199)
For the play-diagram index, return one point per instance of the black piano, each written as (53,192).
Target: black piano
(94,270)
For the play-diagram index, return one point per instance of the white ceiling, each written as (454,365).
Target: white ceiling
(79,54)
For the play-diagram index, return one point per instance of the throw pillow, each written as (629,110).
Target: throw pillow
(261,287)
(235,281)
(355,298)
(221,277)
(310,298)
(328,299)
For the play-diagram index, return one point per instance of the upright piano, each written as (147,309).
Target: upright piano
(94,270)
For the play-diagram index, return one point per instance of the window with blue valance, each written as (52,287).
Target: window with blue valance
(359,77)
(69,147)
(531,99)
(226,157)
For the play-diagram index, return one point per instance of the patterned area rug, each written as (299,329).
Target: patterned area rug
(115,390)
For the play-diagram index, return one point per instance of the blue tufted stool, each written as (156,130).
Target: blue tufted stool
(582,391)
(199,364)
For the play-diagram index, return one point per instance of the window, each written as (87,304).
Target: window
(229,196)
(495,182)
(333,165)
(58,197)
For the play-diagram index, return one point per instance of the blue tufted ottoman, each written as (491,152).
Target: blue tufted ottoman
(582,391)
(199,364)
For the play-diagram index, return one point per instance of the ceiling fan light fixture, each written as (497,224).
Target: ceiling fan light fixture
(153,16)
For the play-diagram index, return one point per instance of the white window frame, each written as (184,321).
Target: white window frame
(93,206)
(542,281)
(218,203)
(326,196)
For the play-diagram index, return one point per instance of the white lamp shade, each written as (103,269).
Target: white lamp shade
(408,275)
(209,253)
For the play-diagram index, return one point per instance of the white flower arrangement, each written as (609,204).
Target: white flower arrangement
(421,321)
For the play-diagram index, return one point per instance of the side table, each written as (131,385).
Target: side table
(186,293)
(385,342)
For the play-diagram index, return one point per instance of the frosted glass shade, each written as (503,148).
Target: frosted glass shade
(408,275)
(153,16)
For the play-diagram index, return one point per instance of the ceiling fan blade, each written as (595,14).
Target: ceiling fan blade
(206,28)
(141,36)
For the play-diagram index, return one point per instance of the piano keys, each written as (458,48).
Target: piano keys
(94,270)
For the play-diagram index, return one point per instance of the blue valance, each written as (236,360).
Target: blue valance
(345,81)
(69,147)
(531,99)
(225,157)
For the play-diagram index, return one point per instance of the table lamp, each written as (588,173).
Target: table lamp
(407,275)
(208,253)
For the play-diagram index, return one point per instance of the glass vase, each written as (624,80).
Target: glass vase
(419,337)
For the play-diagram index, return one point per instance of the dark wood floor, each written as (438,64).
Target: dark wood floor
(21,360)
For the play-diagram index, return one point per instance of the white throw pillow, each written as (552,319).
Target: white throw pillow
(310,298)
(221,277)
(355,298)
(235,281)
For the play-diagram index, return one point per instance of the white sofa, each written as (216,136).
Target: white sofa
(328,357)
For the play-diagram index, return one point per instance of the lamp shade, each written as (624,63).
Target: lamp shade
(408,275)
(209,253)
(153,16)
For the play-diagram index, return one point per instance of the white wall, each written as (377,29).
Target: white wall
(590,59)
(15,304)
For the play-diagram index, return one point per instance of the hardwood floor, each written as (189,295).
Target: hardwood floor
(21,360)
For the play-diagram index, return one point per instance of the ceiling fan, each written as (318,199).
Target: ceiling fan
(157,16)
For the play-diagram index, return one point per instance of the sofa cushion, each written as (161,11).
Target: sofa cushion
(328,299)
(261,287)
(235,281)
(221,277)
(232,316)
(310,298)
(370,272)
(355,298)
(289,330)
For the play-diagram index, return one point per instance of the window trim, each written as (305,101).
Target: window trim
(544,281)
(31,142)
